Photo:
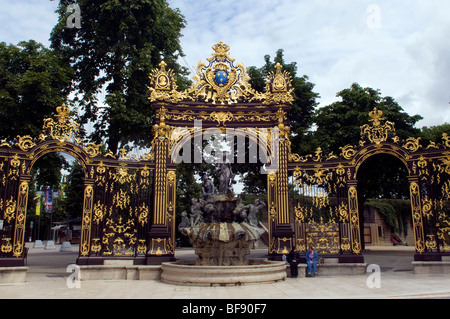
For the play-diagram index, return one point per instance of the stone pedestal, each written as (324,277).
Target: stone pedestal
(38,244)
(431,267)
(50,245)
(66,246)
(158,249)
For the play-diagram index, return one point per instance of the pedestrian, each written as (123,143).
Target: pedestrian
(311,261)
(294,259)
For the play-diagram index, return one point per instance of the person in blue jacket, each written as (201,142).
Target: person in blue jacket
(311,261)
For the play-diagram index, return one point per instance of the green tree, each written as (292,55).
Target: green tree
(338,124)
(117,45)
(48,170)
(300,116)
(33,82)
(434,133)
(383,176)
(74,191)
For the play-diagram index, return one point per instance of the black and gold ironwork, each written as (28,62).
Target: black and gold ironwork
(129,201)
(221,98)
(327,187)
(117,193)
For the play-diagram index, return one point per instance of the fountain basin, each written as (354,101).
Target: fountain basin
(186,272)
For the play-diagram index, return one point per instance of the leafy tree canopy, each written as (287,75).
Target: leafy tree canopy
(338,124)
(300,116)
(33,82)
(434,133)
(117,45)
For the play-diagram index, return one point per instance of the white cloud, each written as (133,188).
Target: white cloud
(334,44)
(331,41)
(27,19)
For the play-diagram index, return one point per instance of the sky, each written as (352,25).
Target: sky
(400,47)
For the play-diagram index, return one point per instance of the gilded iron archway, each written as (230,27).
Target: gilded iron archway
(220,98)
(428,178)
(117,192)
(129,201)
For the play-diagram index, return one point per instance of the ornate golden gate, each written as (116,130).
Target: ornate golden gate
(117,193)
(129,201)
(327,212)
(222,99)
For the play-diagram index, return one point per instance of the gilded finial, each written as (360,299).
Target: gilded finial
(162,65)
(376,116)
(63,111)
(220,52)
(278,66)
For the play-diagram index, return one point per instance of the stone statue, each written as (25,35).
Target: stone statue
(240,212)
(208,187)
(226,178)
(185,222)
(221,228)
(253,209)
(196,212)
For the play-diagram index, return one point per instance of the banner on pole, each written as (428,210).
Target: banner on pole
(48,203)
(38,204)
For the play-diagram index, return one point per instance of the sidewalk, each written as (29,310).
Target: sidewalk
(47,278)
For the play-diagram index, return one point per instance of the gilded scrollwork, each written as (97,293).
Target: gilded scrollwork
(14,169)
(446,140)
(5,143)
(412,144)
(63,129)
(99,212)
(25,142)
(220,82)
(92,149)
(10,210)
(377,132)
(347,151)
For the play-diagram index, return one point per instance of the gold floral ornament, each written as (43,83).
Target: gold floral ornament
(377,132)
(63,129)
(163,87)
(25,142)
(278,87)
(220,82)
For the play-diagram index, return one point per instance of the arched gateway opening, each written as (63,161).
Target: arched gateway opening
(224,104)
(385,212)
(384,201)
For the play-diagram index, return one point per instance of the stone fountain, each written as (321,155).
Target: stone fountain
(222,230)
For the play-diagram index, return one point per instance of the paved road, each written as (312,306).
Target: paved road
(47,278)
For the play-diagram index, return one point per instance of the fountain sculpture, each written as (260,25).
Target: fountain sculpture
(220,227)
